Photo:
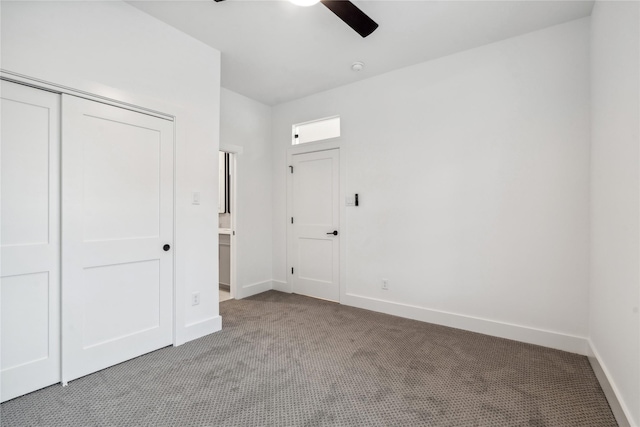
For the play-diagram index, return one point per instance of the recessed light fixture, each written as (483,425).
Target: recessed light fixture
(304,2)
(357,66)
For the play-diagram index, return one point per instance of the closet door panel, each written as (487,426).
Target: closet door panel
(25,152)
(30,240)
(115,205)
(117,217)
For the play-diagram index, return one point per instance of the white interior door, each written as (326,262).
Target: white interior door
(316,224)
(117,214)
(30,240)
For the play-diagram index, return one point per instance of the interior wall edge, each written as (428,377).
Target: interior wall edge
(620,410)
(199,329)
(251,289)
(279,285)
(550,339)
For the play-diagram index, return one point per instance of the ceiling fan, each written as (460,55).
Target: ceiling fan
(345,10)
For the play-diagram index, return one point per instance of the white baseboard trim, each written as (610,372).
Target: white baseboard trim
(281,286)
(253,289)
(199,329)
(564,342)
(611,392)
(570,343)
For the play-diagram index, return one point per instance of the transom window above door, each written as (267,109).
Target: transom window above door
(316,130)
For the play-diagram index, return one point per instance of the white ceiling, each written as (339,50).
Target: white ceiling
(273,51)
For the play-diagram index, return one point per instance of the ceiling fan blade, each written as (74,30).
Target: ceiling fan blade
(352,16)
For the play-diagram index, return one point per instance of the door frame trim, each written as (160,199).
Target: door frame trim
(233,166)
(312,147)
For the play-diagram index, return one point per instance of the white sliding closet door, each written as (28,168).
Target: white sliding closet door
(117,229)
(30,240)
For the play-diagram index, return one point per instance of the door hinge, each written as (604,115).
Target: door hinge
(291,220)
(291,270)
(291,168)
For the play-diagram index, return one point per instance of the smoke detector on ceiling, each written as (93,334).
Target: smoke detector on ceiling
(357,66)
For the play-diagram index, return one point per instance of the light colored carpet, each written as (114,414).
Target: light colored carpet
(288,360)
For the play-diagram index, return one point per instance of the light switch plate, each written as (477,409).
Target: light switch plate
(196,198)
(350,200)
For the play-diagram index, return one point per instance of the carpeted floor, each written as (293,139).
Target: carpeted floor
(288,360)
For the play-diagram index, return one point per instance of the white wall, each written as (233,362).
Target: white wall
(472,172)
(614,325)
(114,50)
(246,125)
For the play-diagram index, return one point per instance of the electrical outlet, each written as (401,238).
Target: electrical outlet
(385,284)
(195,298)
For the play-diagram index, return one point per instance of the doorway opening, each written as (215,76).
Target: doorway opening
(226,226)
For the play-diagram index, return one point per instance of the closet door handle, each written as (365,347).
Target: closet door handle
(166,248)
(334,232)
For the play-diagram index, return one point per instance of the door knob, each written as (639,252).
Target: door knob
(334,232)
(166,247)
